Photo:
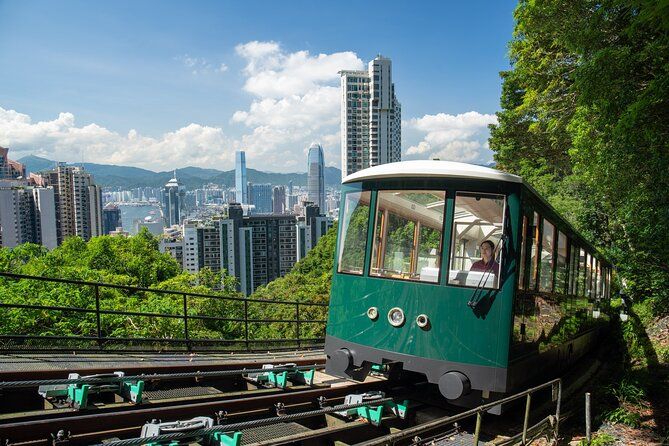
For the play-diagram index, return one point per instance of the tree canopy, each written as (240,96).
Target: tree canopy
(585,119)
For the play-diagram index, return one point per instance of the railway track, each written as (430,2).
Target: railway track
(244,402)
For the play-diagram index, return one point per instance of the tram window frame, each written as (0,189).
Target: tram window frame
(497,281)
(344,231)
(415,247)
(561,267)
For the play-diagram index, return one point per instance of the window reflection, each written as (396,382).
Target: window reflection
(354,232)
(408,235)
(477,230)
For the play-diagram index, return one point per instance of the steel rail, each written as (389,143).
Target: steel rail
(233,427)
(91,425)
(146,377)
(165,340)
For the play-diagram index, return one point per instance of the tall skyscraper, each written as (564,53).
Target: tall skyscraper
(315,175)
(174,202)
(261,198)
(371,117)
(240,178)
(279,200)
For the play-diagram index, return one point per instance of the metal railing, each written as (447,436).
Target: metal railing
(521,438)
(101,335)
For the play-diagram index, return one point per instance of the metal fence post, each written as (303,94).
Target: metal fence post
(297,319)
(477,430)
(588,434)
(527,417)
(246,324)
(97,315)
(187,336)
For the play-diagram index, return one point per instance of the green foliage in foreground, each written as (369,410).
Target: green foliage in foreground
(133,261)
(585,119)
(136,261)
(309,281)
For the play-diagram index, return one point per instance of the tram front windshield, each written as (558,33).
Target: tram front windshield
(478,224)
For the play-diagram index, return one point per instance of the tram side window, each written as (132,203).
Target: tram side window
(588,275)
(354,232)
(408,235)
(535,252)
(561,269)
(547,245)
(523,245)
(573,269)
(581,273)
(477,229)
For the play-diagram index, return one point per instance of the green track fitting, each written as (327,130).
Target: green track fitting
(227,439)
(398,409)
(78,395)
(371,414)
(279,379)
(132,390)
(377,368)
(306,377)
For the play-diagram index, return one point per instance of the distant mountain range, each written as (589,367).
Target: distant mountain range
(192,177)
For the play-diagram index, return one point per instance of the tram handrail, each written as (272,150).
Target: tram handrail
(478,411)
(182,314)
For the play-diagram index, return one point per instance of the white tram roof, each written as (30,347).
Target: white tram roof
(431,169)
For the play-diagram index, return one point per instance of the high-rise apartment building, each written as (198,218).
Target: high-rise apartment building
(27,215)
(174,202)
(45,216)
(370,117)
(279,200)
(310,228)
(240,178)
(316,175)
(78,201)
(111,218)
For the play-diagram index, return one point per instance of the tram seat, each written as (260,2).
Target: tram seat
(429,274)
(472,278)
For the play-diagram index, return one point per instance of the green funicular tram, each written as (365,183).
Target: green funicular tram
(461,273)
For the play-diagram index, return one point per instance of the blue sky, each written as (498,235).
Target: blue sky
(168,84)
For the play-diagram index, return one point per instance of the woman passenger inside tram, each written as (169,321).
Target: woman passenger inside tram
(487,262)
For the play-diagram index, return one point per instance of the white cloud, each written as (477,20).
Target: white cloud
(62,140)
(200,65)
(461,137)
(296,101)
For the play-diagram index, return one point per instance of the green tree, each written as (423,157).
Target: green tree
(585,119)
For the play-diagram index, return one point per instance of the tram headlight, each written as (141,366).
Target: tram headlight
(373,313)
(396,317)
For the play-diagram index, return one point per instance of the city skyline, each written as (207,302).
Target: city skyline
(268,92)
